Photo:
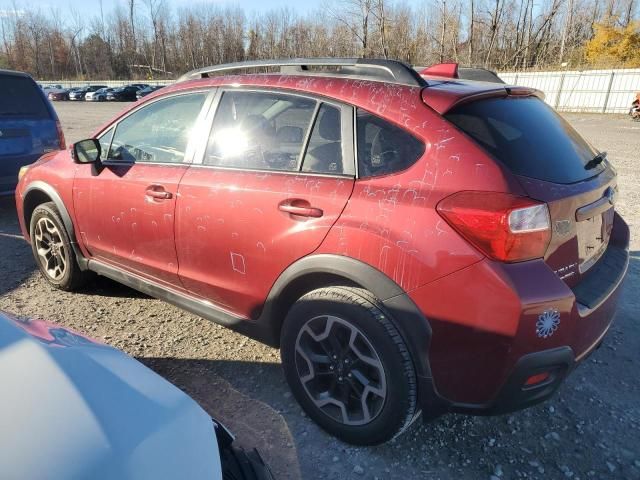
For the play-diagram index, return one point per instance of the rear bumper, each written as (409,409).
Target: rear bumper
(516,394)
(486,322)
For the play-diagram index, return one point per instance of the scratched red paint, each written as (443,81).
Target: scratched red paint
(224,240)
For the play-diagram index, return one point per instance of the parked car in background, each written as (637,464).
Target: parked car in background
(98,95)
(139,85)
(106,415)
(58,95)
(29,126)
(412,242)
(123,94)
(80,93)
(147,90)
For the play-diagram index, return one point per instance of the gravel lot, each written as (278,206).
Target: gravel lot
(589,430)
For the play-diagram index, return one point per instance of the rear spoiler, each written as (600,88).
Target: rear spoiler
(452,70)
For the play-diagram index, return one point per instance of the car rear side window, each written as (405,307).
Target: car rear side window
(19,96)
(527,136)
(324,152)
(384,148)
(158,132)
(259,130)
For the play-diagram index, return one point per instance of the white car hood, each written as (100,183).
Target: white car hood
(72,408)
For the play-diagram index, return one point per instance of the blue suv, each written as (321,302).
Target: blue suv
(29,126)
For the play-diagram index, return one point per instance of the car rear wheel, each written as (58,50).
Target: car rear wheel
(52,249)
(348,366)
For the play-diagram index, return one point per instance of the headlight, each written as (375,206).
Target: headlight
(22,172)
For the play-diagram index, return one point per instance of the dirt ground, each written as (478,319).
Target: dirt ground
(589,430)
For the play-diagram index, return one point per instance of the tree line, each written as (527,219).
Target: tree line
(150,39)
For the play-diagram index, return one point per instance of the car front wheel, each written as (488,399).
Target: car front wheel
(52,249)
(348,366)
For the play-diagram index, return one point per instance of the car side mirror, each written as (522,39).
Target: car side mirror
(86,151)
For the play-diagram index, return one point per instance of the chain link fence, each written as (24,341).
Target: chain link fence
(597,91)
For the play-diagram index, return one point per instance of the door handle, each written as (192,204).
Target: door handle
(158,192)
(301,208)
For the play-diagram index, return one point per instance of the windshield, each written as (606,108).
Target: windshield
(529,137)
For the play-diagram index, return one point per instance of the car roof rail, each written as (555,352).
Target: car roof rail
(362,68)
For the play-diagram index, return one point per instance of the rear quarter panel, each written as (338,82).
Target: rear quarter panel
(391,221)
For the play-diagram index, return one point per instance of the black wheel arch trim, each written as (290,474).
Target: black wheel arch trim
(54,196)
(407,317)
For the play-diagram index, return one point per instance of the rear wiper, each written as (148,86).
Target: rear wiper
(595,161)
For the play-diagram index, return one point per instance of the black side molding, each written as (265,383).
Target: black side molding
(186,302)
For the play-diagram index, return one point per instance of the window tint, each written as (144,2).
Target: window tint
(159,132)
(20,96)
(259,130)
(528,137)
(384,148)
(324,153)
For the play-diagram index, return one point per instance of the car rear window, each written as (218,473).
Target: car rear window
(528,136)
(19,96)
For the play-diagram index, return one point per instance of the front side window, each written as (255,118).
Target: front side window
(260,130)
(158,132)
(384,148)
(105,142)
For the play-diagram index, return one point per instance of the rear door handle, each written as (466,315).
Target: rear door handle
(158,192)
(301,208)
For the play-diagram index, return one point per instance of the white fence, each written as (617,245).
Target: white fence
(600,91)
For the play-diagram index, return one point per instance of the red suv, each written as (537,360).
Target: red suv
(412,243)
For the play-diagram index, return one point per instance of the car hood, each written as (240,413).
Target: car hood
(74,408)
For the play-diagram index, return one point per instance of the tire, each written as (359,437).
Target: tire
(336,340)
(59,266)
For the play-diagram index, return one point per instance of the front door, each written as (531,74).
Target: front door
(276,174)
(125,210)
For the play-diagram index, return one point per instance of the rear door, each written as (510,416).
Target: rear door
(27,127)
(274,176)
(554,164)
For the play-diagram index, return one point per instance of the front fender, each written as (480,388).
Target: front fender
(38,188)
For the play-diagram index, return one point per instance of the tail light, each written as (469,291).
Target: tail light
(61,139)
(505,227)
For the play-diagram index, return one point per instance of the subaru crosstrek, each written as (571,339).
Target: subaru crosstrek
(412,243)
(29,126)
